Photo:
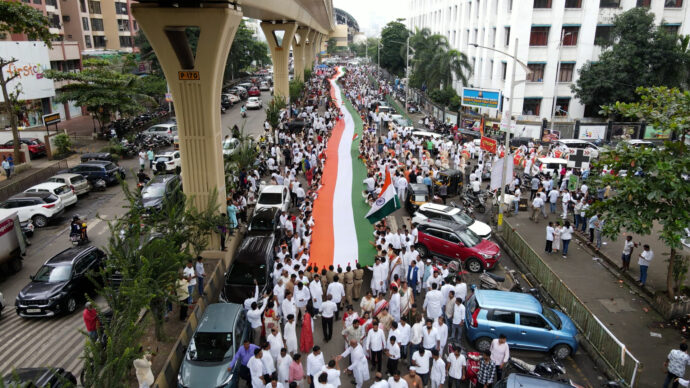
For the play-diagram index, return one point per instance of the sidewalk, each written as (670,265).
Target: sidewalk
(629,317)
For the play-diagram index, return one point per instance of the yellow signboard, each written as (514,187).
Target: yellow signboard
(188,75)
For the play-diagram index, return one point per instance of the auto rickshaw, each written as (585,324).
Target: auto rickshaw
(417,195)
(452,178)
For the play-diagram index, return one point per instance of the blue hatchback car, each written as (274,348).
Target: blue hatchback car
(522,319)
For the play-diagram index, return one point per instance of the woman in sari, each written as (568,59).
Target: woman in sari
(271,319)
(306,339)
(406,299)
(381,304)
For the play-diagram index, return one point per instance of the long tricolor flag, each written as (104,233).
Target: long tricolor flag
(341,232)
(386,203)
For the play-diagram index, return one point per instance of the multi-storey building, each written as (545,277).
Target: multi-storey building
(555,39)
(100,24)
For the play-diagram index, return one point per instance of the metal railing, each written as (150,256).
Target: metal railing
(13,186)
(614,353)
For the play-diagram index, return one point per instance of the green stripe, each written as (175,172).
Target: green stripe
(365,231)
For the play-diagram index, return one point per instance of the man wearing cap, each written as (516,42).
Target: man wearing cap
(412,379)
(349,279)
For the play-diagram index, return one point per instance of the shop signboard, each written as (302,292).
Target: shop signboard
(32,61)
(481,98)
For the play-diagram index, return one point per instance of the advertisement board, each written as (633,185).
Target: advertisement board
(481,98)
(32,61)
(592,132)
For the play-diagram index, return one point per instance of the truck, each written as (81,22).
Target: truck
(12,242)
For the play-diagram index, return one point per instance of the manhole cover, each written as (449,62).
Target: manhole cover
(617,305)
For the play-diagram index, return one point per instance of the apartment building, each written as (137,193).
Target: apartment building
(99,25)
(555,39)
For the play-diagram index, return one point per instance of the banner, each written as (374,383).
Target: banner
(497,174)
(481,98)
(488,144)
(32,61)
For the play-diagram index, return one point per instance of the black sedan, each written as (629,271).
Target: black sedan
(265,222)
(61,283)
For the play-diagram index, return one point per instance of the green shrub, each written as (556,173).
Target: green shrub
(63,144)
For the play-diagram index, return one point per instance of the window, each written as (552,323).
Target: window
(673,3)
(610,4)
(573,3)
(87,40)
(54,21)
(531,106)
(562,106)
(121,8)
(502,316)
(94,6)
(537,72)
(539,36)
(570,35)
(533,321)
(644,3)
(542,3)
(671,28)
(122,25)
(97,24)
(507,34)
(602,36)
(125,41)
(85,23)
(505,70)
(99,41)
(566,72)
(37,1)
(66,18)
(82,5)
(493,37)
(491,69)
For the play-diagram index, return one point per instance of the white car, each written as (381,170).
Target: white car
(277,196)
(76,182)
(432,211)
(233,98)
(264,86)
(230,146)
(172,160)
(254,103)
(63,191)
(168,129)
(38,208)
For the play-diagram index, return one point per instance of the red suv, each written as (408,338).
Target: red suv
(453,242)
(254,92)
(36,147)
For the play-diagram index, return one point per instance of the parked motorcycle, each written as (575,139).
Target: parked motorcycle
(489,281)
(98,185)
(549,369)
(477,201)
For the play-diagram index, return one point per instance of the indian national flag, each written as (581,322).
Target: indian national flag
(386,203)
(341,233)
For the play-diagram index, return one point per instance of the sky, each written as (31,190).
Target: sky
(372,15)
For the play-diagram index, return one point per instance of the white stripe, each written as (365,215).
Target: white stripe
(345,247)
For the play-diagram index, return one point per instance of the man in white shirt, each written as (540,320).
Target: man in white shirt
(433,302)
(537,204)
(379,382)
(316,291)
(314,364)
(500,353)
(288,306)
(421,359)
(275,339)
(394,304)
(256,369)
(337,291)
(333,373)
(458,319)
(430,337)
(645,258)
(396,381)
(416,336)
(302,297)
(402,332)
(438,370)
(254,319)
(461,290)
(393,354)
(375,342)
(371,183)
(267,359)
(455,368)
(327,309)
(190,274)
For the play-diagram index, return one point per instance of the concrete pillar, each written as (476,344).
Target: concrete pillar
(195,81)
(309,50)
(299,45)
(317,47)
(280,53)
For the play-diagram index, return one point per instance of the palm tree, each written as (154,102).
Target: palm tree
(435,63)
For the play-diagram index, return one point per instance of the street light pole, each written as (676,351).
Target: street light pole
(407,74)
(558,73)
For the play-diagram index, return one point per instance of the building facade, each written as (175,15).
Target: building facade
(555,39)
(99,25)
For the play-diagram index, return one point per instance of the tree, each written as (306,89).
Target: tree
(273,110)
(393,41)
(331,45)
(105,90)
(434,63)
(146,51)
(19,18)
(372,49)
(244,51)
(654,190)
(643,54)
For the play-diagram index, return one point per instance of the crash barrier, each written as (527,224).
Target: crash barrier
(167,378)
(613,352)
(16,185)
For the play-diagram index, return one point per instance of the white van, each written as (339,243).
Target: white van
(549,166)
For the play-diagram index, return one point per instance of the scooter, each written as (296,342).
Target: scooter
(98,185)
(489,281)
(549,369)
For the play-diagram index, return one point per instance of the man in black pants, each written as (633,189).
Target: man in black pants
(393,354)
(376,342)
(328,309)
